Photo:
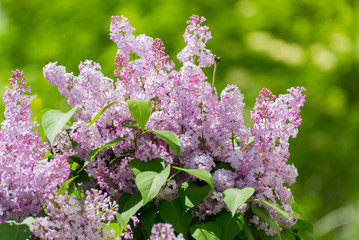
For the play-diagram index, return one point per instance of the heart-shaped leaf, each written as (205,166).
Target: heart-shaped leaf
(141,110)
(234,197)
(149,183)
(155,165)
(53,122)
(190,194)
(12,230)
(172,212)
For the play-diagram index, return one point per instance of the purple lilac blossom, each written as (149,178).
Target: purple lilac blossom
(211,129)
(164,231)
(73,218)
(25,179)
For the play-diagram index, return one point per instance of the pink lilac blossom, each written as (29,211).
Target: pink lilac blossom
(210,129)
(164,231)
(73,218)
(25,179)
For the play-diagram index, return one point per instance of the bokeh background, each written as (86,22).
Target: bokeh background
(273,44)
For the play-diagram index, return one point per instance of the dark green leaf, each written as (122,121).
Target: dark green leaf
(305,225)
(262,213)
(234,197)
(129,205)
(141,110)
(149,217)
(170,138)
(53,122)
(199,173)
(155,165)
(95,151)
(172,212)
(12,230)
(190,194)
(275,207)
(206,231)
(304,234)
(149,183)
(286,235)
(101,112)
(231,226)
(247,231)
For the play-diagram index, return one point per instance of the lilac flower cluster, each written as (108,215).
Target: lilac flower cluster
(73,218)
(211,129)
(25,179)
(164,231)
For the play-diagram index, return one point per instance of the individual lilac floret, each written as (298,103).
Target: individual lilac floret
(164,231)
(25,180)
(196,37)
(73,218)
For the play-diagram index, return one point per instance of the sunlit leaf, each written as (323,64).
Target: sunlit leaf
(141,110)
(234,197)
(149,183)
(53,121)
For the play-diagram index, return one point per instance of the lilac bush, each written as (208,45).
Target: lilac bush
(176,120)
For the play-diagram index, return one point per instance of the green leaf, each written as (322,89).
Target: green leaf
(304,234)
(129,205)
(231,226)
(97,150)
(275,207)
(172,212)
(234,197)
(199,173)
(62,189)
(114,225)
(170,138)
(206,231)
(141,110)
(286,235)
(12,230)
(247,231)
(53,122)
(155,165)
(39,121)
(295,208)
(262,213)
(149,183)
(149,216)
(101,112)
(190,194)
(304,225)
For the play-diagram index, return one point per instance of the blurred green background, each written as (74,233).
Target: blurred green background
(274,44)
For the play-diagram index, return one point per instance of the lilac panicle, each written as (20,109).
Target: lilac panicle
(164,231)
(73,218)
(196,37)
(25,180)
